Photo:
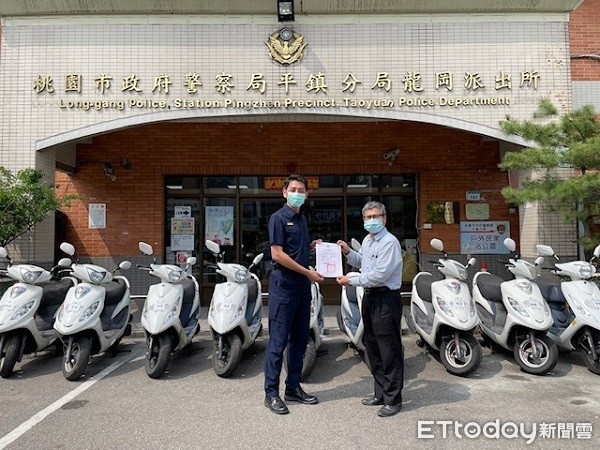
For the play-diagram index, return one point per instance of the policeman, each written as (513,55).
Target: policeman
(289,297)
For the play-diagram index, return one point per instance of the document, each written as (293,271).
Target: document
(329,260)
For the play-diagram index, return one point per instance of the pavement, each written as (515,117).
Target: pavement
(116,405)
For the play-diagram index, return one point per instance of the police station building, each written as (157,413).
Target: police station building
(177,121)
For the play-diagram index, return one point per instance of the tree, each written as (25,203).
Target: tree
(571,140)
(25,199)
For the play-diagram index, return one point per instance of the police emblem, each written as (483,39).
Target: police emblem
(286,46)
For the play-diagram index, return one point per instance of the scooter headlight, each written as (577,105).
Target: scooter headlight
(80,291)
(171,314)
(453,287)
(580,310)
(89,311)
(174,275)
(240,274)
(22,311)
(444,306)
(586,270)
(95,276)
(29,276)
(15,291)
(518,307)
(525,287)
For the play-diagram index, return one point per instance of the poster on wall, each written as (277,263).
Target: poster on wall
(219,224)
(183,211)
(484,237)
(182,242)
(182,225)
(97,215)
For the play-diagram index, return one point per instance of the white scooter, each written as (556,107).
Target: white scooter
(171,312)
(94,316)
(445,316)
(28,309)
(575,306)
(235,313)
(514,314)
(349,319)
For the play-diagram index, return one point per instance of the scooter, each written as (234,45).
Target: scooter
(28,309)
(171,312)
(575,306)
(235,313)
(514,314)
(94,316)
(349,318)
(444,314)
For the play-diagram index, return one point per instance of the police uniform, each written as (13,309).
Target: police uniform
(289,301)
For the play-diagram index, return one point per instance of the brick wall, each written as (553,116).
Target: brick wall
(584,30)
(447,163)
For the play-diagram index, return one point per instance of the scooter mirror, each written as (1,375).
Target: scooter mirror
(437,244)
(191,260)
(257,259)
(64,263)
(471,262)
(355,244)
(67,248)
(146,249)
(125,265)
(597,252)
(510,244)
(3,252)
(544,250)
(212,246)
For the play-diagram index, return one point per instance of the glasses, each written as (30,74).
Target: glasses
(373,216)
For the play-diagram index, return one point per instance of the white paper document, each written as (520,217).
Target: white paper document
(329,260)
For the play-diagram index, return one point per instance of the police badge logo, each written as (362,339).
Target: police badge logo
(286,46)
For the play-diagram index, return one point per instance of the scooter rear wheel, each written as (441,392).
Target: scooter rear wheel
(547,349)
(12,348)
(81,351)
(232,355)
(159,355)
(471,350)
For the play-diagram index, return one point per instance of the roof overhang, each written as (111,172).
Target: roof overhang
(259,7)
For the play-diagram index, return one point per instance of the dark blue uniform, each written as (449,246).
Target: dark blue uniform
(289,301)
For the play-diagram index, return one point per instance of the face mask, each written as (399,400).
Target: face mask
(296,199)
(373,225)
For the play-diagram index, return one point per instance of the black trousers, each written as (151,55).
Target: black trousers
(381,314)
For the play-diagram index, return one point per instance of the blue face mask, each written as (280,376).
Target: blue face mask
(296,199)
(373,225)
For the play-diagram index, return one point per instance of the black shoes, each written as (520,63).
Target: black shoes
(372,401)
(389,410)
(298,395)
(276,405)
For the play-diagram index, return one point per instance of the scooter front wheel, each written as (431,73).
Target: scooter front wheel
(310,358)
(541,364)
(12,348)
(228,358)
(461,356)
(81,351)
(158,355)
(592,364)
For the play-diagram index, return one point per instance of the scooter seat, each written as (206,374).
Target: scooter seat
(114,292)
(54,292)
(551,290)
(189,292)
(423,284)
(489,286)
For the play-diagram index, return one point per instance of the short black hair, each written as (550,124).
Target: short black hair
(295,177)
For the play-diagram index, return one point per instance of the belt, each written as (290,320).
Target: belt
(377,290)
